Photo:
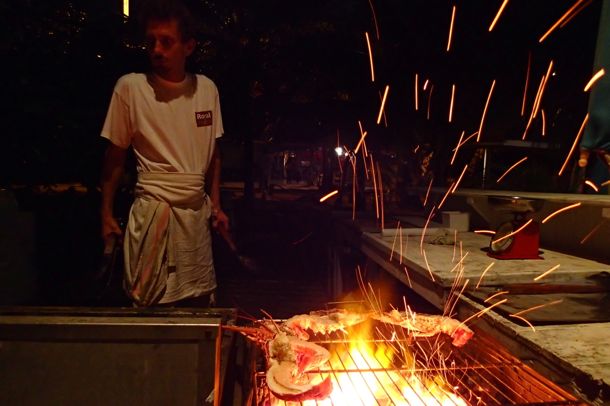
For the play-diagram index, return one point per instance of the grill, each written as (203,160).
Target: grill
(480,373)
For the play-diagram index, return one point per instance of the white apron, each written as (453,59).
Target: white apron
(168,250)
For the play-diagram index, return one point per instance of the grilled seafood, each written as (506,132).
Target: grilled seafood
(323,322)
(289,359)
(290,356)
(426,325)
(418,324)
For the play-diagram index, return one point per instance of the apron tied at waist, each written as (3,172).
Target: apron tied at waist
(166,204)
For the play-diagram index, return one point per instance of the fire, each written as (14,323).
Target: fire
(365,375)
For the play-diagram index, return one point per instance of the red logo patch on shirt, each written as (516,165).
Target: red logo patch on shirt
(203,118)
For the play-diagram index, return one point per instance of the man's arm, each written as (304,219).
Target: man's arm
(212,180)
(112,171)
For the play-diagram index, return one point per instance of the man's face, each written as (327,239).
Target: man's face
(166,49)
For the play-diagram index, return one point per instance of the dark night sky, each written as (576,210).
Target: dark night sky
(63,58)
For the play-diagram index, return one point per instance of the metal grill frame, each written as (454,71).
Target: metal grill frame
(483,372)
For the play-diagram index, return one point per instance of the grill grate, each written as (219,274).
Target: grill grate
(480,373)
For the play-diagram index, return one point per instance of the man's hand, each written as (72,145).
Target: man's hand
(220,221)
(110,229)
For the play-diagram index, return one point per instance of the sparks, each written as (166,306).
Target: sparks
(368,44)
(554,302)
(527,80)
(537,278)
(375,186)
(545,81)
(485,110)
(429,101)
(482,312)
(483,274)
(466,140)
(428,266)
(594,79)
(354,182)
(451,29)
(408,277)
(590,234)
(451,104)
(493,23)
(524,320)
(575,13)
(400,242)
(606,183)
(534,107)
(454,244)
(416,93)
(374,19)
(459,179)
(490,232)
(511,168)
(365,153)
(538,96)
(381,196)
(455,150)
(395,237)
(543,122)
(561,19)
(366,168)
(360,142)
(126,7)
(502,292)
(456,296)
(446,195)
(428,192)
(527,223)
(328,196)
(461,261)
(592,185)
(556,212)
(423,234)
(385,95)
(426,84)
(582,127)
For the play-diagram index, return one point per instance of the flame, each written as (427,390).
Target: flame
(379,372)
(371,379)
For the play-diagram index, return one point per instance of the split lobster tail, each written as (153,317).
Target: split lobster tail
(281,382)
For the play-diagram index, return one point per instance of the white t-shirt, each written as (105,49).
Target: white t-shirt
(172,126)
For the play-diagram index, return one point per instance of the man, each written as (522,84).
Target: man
(172,119)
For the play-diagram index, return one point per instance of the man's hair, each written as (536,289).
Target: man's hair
(166,10)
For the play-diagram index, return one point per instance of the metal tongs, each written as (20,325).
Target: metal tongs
(105,272)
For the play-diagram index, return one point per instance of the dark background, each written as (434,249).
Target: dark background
(310,62)
(289,73)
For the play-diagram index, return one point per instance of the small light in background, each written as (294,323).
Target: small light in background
(339,151)
(126,7)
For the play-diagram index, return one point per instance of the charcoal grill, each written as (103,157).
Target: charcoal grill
(480,373)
